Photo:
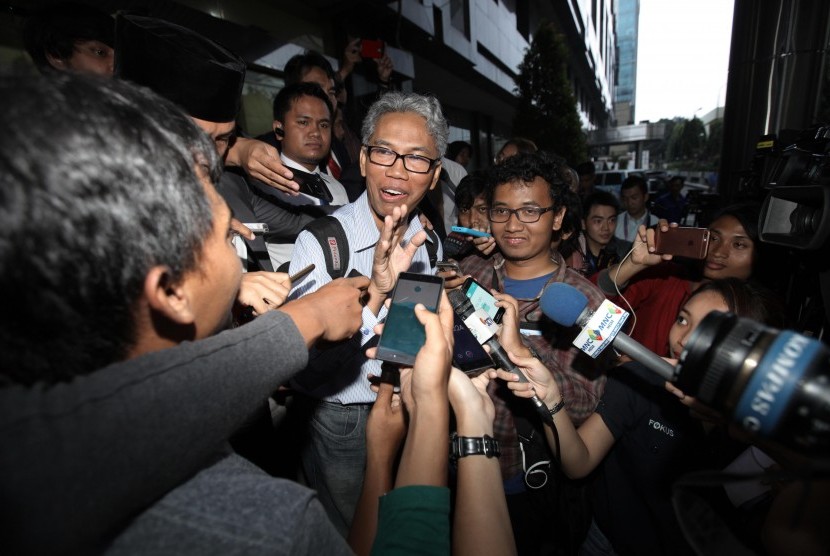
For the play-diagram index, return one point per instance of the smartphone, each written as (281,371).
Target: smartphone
(257,227)
(456,245)
(311,184)
(468,355)
(372,49)
(402,334)
(482,299)
(443,266)
(470,231)
(692,243)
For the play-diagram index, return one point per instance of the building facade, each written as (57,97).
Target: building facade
(465,52)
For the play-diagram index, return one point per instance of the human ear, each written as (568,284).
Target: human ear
(55,62)
(363,161)
(278,130)
(557,218)
(435,176)
(166,297)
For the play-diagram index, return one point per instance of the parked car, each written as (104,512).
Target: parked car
(611,180)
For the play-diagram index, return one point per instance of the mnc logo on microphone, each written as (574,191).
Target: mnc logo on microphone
(601,329)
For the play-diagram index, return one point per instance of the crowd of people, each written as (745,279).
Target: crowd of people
(150,320)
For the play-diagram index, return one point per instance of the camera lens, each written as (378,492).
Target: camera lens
(773,384)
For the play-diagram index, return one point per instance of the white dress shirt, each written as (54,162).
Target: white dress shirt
(281,252)
(339,374)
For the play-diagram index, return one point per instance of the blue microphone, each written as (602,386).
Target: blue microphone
(567,306)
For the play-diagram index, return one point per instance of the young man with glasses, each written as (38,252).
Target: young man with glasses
(525,195)
(404,137)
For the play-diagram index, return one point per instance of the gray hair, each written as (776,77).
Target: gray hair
(426,106)
(98,184)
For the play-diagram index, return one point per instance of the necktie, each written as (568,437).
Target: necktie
(334,168)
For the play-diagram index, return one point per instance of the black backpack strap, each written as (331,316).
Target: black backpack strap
(332,238)
(432,247)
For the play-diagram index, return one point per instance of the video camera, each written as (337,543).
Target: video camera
(774,384)
(796,211)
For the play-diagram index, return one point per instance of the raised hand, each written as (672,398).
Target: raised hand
(262,161)
(263,291)
(391,258)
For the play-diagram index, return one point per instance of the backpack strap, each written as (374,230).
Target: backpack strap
(332,238)
(432,247)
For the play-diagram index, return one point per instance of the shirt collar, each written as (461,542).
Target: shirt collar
(296,165)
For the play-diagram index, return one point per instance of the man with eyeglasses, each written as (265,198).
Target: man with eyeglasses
(404,137)
(525,198)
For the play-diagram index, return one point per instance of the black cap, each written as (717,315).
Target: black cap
(199,75)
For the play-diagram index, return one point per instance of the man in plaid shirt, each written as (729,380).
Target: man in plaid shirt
(525,207)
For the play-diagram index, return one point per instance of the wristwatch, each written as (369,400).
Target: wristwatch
(463,446)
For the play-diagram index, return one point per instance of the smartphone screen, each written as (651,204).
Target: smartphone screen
(468,355)
(482,299)
(402,334)
(692,243)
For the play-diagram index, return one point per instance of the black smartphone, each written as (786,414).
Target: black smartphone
(482,299)
(402,334)
(443,266)
(456,245)
(692,243)
(312,184)
(468,355)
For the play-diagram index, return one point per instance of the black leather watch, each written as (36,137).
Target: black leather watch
(463,446)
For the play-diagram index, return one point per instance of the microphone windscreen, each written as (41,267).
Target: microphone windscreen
(563,303)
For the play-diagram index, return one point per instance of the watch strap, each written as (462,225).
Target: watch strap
(463,446)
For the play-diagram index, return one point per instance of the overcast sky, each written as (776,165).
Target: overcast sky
(683,57)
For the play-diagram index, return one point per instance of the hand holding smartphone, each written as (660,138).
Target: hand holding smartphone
(482,299)
(692,243)
(312,184)
(470,231)
(372,48)
(403,335)
(468,355)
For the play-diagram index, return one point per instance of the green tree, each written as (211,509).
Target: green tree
(714,143)
(547,111)
(693,140)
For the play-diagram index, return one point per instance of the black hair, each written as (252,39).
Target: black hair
(106,171)
(471,186)
(289,94)
(586,169)
(635,181)
(55,29)
(745,213)
(455,148)
(522,144)
(747,299)
(571,223)
(603,198)
(296,68)
(524,168)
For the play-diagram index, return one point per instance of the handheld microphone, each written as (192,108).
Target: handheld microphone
(464,309)
(566,305)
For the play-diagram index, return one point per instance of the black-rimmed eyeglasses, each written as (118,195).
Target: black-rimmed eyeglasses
(528,215)
(412,162)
